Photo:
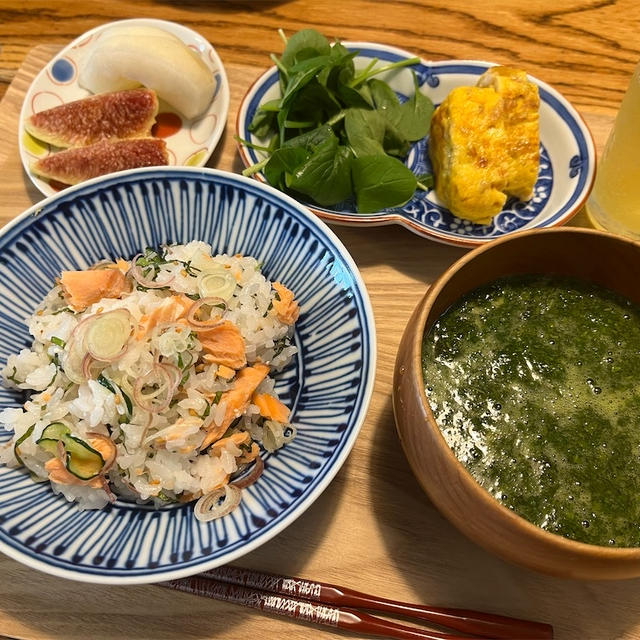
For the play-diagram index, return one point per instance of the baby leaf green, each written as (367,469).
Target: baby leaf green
(334,132)
(301,74)
(314,103)
(385,100)
(410,119)
(304,44)
(415,114)
(282,163)
(381,182)
(264,119)
(394,142)
(365,129)
(325,175)
(311,139)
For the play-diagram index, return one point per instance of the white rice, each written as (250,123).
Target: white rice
(158,453)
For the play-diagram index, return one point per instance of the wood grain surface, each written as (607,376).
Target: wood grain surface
(372,529)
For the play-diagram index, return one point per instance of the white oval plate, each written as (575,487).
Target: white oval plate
(189,143)
(567,154)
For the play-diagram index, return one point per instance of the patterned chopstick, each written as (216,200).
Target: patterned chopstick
(473,622)
(486,625)
(303,610)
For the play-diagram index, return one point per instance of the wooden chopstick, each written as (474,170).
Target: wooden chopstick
(304,610)
(474,622)
(343,602)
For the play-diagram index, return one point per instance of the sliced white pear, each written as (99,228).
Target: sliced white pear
(127,57)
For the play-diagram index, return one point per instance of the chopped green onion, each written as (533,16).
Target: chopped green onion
(206,412)
(216,283)
(108,334)
(105,383)
(111,386)
(67,309)
(19,441)
(189,268)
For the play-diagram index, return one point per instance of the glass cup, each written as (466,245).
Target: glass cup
(614,202)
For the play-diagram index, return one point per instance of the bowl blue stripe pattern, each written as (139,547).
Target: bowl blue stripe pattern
(328,385)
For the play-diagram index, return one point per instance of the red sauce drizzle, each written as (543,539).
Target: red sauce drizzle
(166,125)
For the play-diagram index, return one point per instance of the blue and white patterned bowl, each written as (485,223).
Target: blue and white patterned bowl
(328,386)
(567,154)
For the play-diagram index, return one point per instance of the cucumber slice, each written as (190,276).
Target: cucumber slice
(83,461)
(19,441)
(54,431)
(50,436)
(50,445)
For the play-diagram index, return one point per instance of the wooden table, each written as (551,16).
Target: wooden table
(372,529)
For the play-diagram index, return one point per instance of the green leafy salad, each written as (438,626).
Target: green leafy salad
(339,133)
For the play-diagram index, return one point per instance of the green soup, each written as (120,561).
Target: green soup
(535,383)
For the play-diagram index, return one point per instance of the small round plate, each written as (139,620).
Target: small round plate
(567,154)
(189,142)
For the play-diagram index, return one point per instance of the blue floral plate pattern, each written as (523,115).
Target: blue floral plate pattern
(328,385)
(567,154)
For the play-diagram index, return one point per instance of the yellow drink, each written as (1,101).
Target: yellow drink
(614,203)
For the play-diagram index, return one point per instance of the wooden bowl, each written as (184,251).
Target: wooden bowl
(595,256)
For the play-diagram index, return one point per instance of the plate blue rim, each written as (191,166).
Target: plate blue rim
(435,222)
(345,269)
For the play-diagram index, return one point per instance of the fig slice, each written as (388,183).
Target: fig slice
(105,116)
(77,164)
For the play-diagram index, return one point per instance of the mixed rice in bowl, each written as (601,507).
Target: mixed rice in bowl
(150,380)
